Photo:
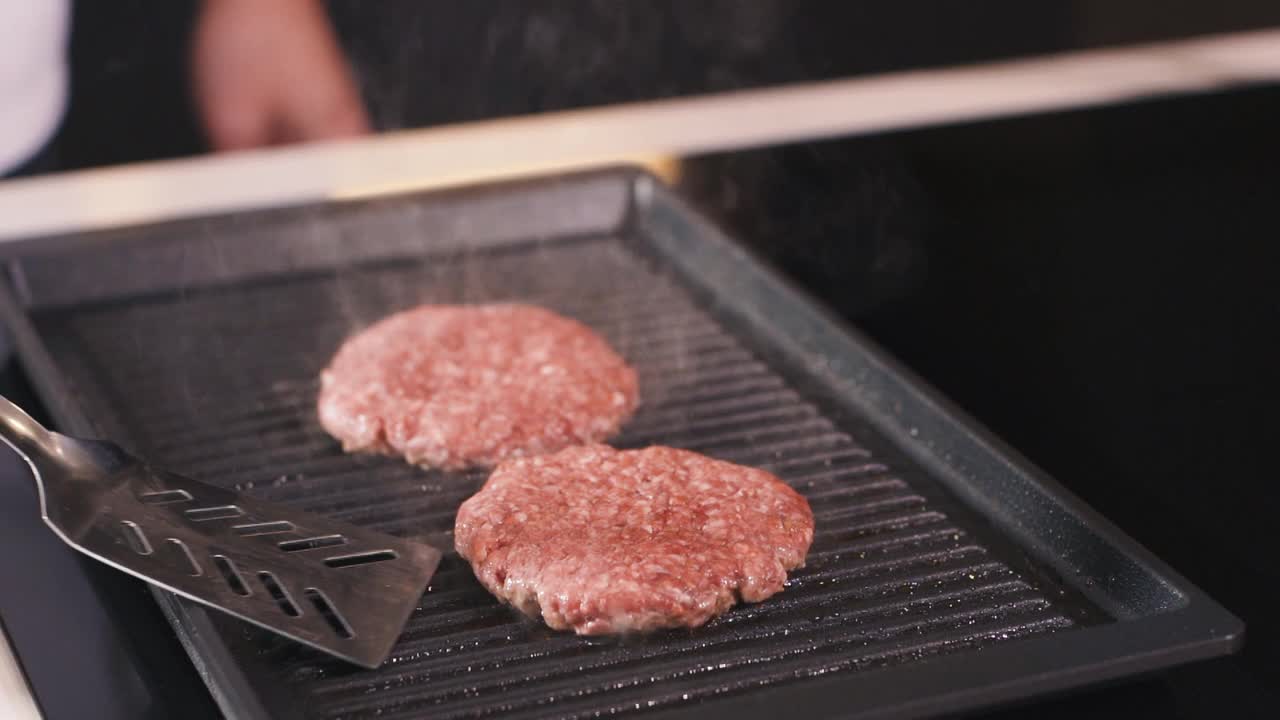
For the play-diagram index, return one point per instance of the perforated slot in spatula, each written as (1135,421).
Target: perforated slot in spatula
(334,586)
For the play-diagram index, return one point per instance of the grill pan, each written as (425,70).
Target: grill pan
(946,573)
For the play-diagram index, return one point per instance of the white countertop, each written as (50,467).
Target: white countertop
(16,702)
(452,155)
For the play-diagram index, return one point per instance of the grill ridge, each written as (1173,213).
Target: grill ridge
(893,573)
(454,678)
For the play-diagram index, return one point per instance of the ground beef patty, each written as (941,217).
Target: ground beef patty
(610,541)
(458,386)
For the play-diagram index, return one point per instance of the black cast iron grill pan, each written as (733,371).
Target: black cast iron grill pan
(945,574)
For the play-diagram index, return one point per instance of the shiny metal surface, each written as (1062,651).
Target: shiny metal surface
(336,587)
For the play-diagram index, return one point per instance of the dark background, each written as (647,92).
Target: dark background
(1095,286)
(428,62)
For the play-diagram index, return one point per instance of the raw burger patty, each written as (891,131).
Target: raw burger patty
(458,386)
(611,541)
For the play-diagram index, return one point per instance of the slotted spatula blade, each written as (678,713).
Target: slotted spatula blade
(334,586)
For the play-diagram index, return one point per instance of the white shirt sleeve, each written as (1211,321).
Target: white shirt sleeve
(33,76)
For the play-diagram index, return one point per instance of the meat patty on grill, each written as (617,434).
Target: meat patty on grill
(603,541)
(458,386)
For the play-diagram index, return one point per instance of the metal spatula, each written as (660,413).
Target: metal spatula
(333,586)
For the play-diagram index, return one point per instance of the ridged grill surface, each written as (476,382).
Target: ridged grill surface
(220,384)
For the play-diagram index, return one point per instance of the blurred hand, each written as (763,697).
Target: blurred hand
(270,72)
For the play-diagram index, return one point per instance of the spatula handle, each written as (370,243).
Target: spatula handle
(21,432)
